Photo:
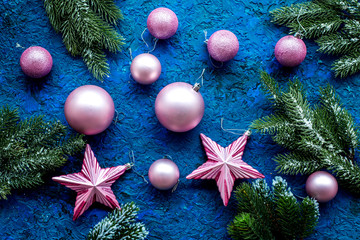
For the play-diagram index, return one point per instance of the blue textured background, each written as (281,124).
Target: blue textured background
(195,210)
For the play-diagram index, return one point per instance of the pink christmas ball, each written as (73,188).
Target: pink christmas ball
(162,23)
(322,186)
(89,109)
(145,68)
(36,62)
(290,51)
(179,107)
(164,174)
(223,45)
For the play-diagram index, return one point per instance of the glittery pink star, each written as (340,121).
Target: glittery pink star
(92,183)
(225,165)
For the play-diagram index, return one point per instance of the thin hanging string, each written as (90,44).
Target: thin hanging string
(131,56)
(142,37)
(234,131)
(132,164)
(117,116)
(300,26)
(212,63)
(175,187)
(206,40)
(168,157)
(297,188)
(298,196)
(198,85)
(19,46)
(155,42)
(202,77)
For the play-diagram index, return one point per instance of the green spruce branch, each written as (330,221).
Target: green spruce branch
(269,214)
(335,26)
(317,137)
(31,148)
(120,225)
(87,29)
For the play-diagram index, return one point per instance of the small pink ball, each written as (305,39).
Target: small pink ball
(162,23)
(290,51)
(322,186)
(164,174)
(36,62)
(223,45)
(179,107)
(145,68)
(89,109)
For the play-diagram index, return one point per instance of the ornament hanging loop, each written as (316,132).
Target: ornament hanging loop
(130,53)
(197,84)
(235,131)
(132,165)
(168,157)
(206,39)
(175,187)
(155,42)
(299,34)
(117,116)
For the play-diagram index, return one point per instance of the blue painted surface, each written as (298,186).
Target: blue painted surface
(195,210)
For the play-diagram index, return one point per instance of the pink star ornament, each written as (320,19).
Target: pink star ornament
(92,183)
(225,165)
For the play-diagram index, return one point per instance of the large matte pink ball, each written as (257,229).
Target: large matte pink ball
(145,68)
(164,174)
(223,45)
(322,186)
(179,107)
(162,23)
(290,51)
(36,62)
(89,109)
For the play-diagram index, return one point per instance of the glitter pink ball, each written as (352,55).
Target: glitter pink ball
(223,45)
(89,109)
(36,62)
(290,51)
(164,174)
(162,23)
(179,107)
(322,186)
(145,68)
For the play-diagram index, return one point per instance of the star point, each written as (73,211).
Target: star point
(92,183)
(225,165)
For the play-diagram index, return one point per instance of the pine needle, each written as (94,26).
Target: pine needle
(119,224)
(87,28)
(31,148)
(323,136)
(269,214)
(335,26)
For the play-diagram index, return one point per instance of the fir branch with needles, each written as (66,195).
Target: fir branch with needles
(31,148)
(317,137)
(87,28)
(335,26)
(119,224)
(269,214)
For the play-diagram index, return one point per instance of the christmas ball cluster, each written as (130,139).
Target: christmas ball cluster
(179,106)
